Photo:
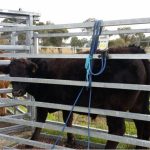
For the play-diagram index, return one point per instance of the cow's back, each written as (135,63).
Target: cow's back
(120,71)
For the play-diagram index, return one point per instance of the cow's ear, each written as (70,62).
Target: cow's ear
(33,67)
(4,69)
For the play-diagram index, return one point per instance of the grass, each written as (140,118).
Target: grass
(23,108)
(99,123)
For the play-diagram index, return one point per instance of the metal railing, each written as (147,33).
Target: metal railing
(34,48)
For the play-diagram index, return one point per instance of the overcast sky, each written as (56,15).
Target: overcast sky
(75,11)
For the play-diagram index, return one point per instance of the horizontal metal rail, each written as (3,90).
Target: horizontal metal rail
(63,34)
(78,25)
(76,56)
(7,105)
(79,130)
(19,13)
(77,141)
(29,142)
(98,111)
(11,24)
(3,99)
(19,116)
(56,47)
(14,128)
(14,47)
(4,62)
(5,36)
(79,83)
(14,102)
(84,127)
(8,148)
(4,90)
(115,32)
(14,16)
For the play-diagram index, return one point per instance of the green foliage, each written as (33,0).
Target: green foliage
(52,41)
(116,43)
(75,42)
(21,36)
(125,37)
(84,41)
(128,39)
(10,20)
(98,123)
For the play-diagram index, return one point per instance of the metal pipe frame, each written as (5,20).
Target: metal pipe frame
(79,130)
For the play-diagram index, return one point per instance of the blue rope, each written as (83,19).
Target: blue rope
(88,65)
(103,66)
(76,100)
(95,37)
(89,112)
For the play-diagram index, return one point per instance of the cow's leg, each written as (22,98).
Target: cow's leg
(116,126)
(143,131)
(41,117)
(70,136)
(143,127)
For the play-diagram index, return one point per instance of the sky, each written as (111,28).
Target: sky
(76,11)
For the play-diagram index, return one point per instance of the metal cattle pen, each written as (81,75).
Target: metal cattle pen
(31,48)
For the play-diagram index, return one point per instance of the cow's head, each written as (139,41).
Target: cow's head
(19,68)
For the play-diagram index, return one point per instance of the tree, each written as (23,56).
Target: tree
(131,38)
(21,36)
(116,43)
(137,38)
(145,42)
(83,42)
(128,39)
(53,41)
(74,42)
(125,37)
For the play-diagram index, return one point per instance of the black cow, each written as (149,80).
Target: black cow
(119,71)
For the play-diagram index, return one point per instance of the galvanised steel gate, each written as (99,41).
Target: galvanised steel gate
(32,47)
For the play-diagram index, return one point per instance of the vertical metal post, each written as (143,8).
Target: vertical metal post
(13,41)
(36,43)
(29,42)
(29,34)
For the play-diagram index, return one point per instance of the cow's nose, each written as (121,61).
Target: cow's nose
(17,93)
